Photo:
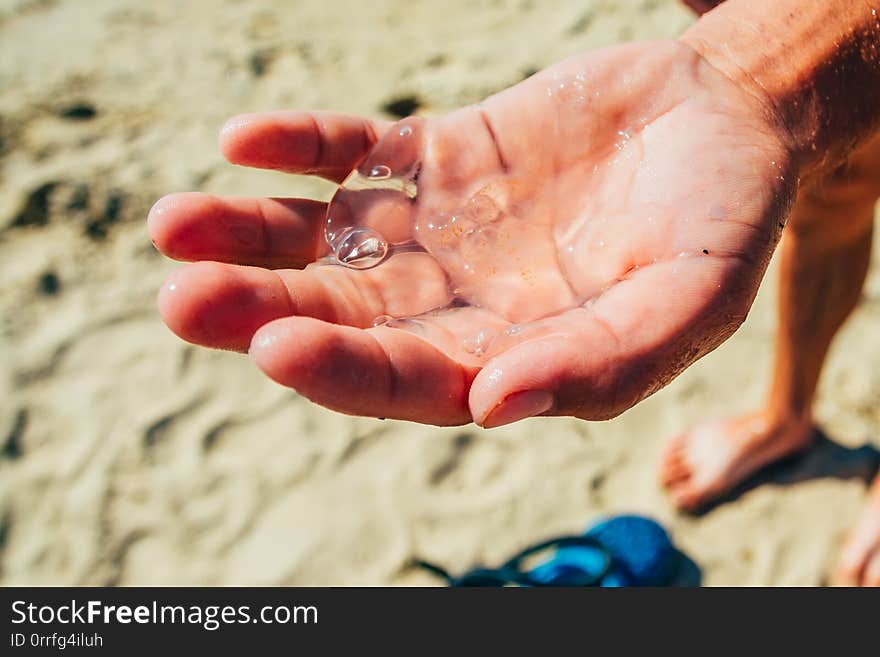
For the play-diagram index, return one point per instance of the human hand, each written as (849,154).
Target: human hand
(640,195)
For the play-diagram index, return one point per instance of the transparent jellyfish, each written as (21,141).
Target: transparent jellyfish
(373,208)
(491,235)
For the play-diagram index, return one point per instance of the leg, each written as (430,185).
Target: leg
(721,454)
(824,259)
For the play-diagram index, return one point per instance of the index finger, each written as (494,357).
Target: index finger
(326,144)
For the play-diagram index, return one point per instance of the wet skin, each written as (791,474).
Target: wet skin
(669,182)
(823,263)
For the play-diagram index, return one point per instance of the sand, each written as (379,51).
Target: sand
(129,457)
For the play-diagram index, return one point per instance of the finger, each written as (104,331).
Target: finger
(221,305)
(381,372)
(595,362)
(267,232)
(326,144)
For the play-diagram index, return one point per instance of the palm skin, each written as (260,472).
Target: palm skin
(647,193)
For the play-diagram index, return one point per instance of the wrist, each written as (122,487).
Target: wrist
(813,67)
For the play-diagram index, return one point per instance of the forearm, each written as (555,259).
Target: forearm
(815,64)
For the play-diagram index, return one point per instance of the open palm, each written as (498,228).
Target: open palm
(615,215)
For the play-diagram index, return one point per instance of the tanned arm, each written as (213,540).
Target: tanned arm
(816,65)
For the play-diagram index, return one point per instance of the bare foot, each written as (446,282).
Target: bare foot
(860,560)
(711,459)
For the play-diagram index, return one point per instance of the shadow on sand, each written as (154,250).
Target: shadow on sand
(826,459)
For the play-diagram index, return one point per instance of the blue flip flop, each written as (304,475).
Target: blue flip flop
(625,550)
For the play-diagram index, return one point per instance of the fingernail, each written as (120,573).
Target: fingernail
(236,122)
(159,208)
(262,340)
(518,406)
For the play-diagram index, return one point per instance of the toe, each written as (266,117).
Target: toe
(674,470)
(850,567)
(854,559)
(862,549)
(847,574)
(674,445)
(672,453)
(687,496)
(871,575)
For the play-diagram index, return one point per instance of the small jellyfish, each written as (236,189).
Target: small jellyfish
(359,248)
(373,208)
(382,319)
(380,172)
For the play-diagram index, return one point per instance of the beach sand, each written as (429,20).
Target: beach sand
(129,457)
